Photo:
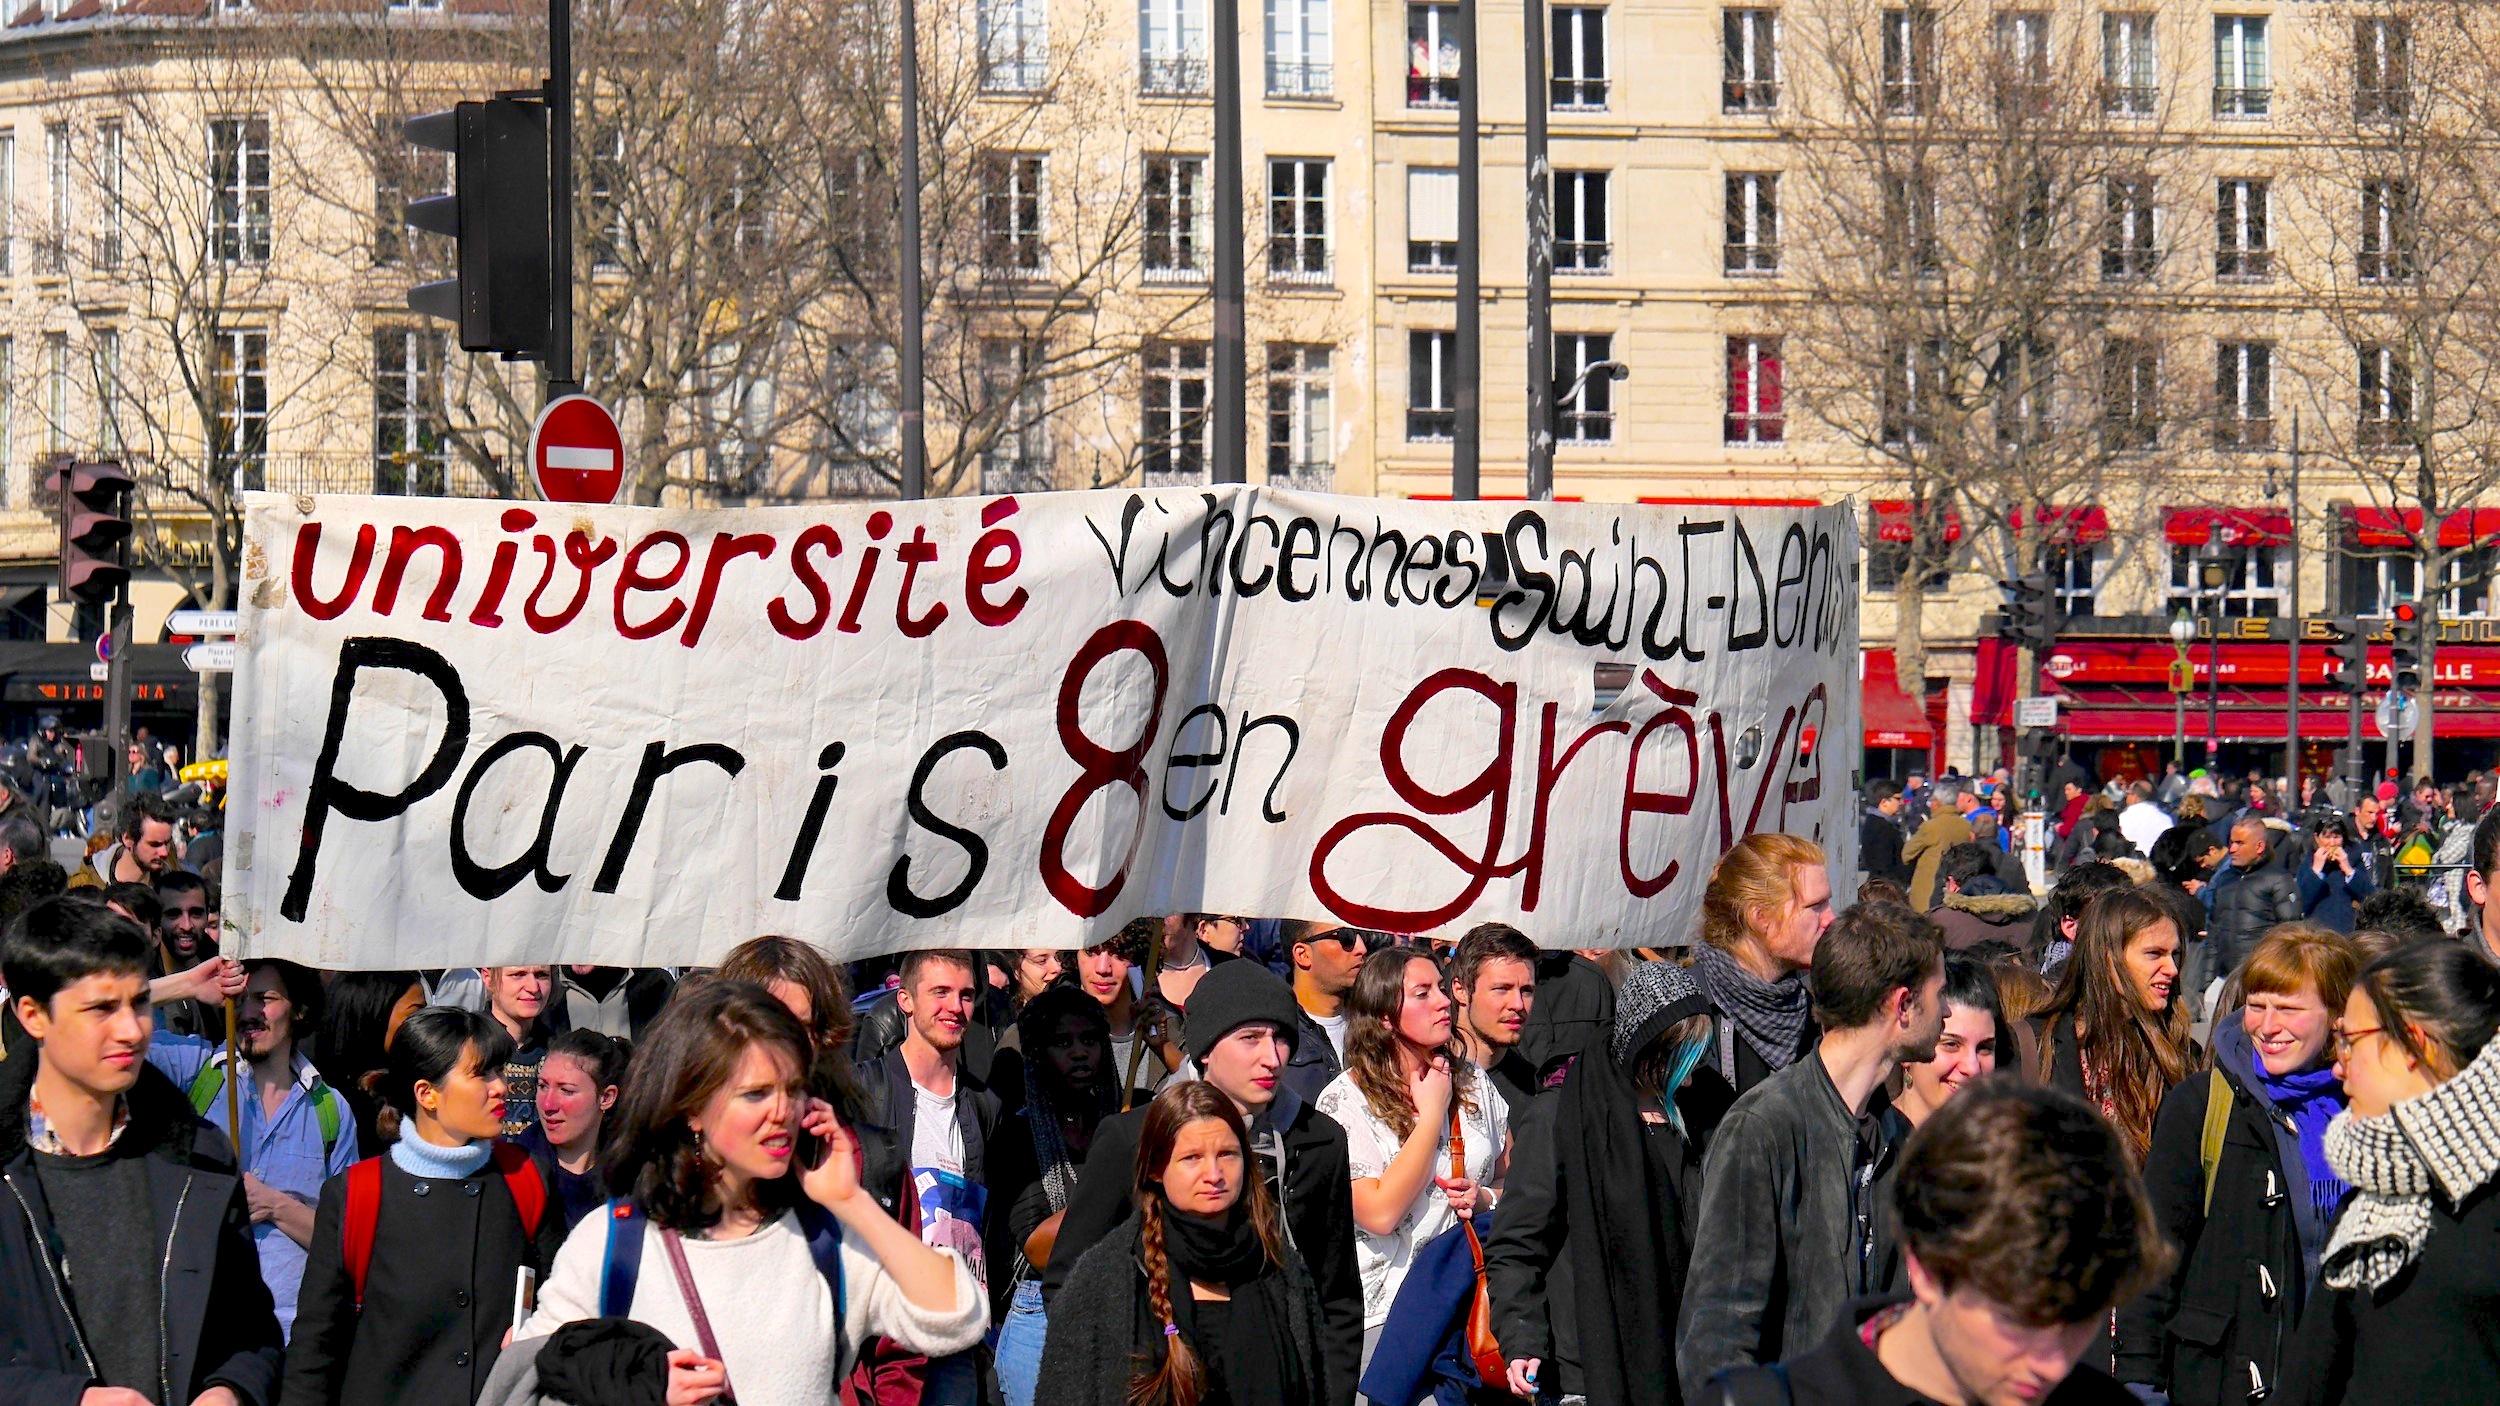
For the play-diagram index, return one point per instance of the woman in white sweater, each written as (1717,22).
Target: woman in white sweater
(714,1120)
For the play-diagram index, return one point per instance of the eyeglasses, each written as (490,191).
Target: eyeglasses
(1346,938)
(2346,1039)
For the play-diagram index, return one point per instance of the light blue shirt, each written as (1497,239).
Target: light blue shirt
(284,1151)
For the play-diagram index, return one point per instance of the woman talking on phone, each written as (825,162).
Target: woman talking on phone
(743,1235)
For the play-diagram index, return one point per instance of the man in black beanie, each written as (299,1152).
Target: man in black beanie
(1241,1031)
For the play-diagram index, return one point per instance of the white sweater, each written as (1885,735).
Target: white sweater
(770,1310)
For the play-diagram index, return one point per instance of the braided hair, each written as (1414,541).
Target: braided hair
(1180,1379)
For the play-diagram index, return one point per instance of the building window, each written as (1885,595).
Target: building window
(1914,379)
(8,201)
(1174,436)
(242,398)
(419,6)
(2129,248)
(53,256)
(1017,459)
(1579,56)
(609,234)
(1749,60)
(2386,231)
(2073,570)
(2244,395)
(1756,411)
(1584,391)
(2255,582)
(2375,582)
(2130,395)
(1176,218)
(1432,56)
(108,388)
(1301,444)
(2022,53)
(2382,67)
(110,154)
(2026,407)
(395,163)
(1297,221)
(2130,65)
(1431,396)
(408,454)
(2243,86)
(1753,222)
(1011,212)
(1172,46)
(1910,243)
(1909,61)
(1431,221)
(1015,45)
(1580,225)
(2242,210)
(1300,58)
(2386,398)
(239,169)
(864,425)
(56,392)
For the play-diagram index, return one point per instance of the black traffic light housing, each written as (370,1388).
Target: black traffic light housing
(2349,648)
(497,210)
(2404,654)
(2032,616)
(95,529)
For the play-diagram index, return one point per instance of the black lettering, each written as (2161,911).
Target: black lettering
(1524,584)
(1176,760)
(1744,557)
(1293,745)
(1243,585)
(1307,531)
(328,793)
(898,890)
(485,882)
(812,825)
(657,761)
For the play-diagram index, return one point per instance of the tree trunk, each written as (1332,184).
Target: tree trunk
(1909,634)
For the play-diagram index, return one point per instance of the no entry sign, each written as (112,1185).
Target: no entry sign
(576,454)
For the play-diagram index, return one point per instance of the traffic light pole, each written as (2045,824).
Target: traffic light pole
(1228,408)
(117,689)
(1467,439)
(1540,258)
(913,408)
(558,92)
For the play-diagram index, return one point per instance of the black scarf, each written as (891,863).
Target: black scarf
(1769,1015)
(1258,1362)
(1617,1199)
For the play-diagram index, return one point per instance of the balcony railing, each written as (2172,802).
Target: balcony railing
(1749,95)
(2244,432)
(1014,473)
(2129,261)
(1579,94)
(1289,78)
(1305,478)
(1583,256)
(417,475)
(1584,427)
(1438,256)
(2247,264)
(1173,75)
(2129,99)
(1301,268)
(2243,102)
(1016,74)
(1752,258)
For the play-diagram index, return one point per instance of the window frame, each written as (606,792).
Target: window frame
(2244,73)
(1433,58)
(2244,206)
(1581,205)
(1752,205)
(1752,421)
(1571,87)
(1588,417)
(1174,452)
(2130,63)
(1013,214)
(2244,381)
(1301,405)
(1306,66)
(1431,398)
(1178,228)
(240,222)
(1750,60)
(1297,253)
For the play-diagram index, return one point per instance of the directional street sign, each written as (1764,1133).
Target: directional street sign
(576,453)
(216,657)
(2036,712)
(2398,715)
(203,622)
(100,672)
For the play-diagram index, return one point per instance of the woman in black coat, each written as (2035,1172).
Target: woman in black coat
(1197,1298)
(2238,1181)
(455,1221)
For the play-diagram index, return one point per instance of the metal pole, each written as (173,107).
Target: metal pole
(915,448)
(1232,371)
(1467,376)
(2213,676)
(1540,258)
(2291,722)
(117,693)
(558,94)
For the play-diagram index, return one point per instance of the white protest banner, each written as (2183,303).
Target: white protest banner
(479,732)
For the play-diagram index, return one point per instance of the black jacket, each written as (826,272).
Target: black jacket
(2430,1338)
(1090,1358)
(2248,905)
(1574,1011)
(1879,848)
(438,1293)
(881,1028)
(887,1131)
(217,1327)
(2219,1328)
(1314,1065)
(1319,1214)
(1842,1370)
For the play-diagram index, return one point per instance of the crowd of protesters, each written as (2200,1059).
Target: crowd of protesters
(2208,1119)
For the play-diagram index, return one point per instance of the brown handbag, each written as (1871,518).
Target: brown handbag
(1483,1348)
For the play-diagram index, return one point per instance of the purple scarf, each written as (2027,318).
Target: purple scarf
(2310,1098)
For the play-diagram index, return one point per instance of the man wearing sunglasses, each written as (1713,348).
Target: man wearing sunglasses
(1325,958)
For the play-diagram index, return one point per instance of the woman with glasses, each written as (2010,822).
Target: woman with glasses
(2411,1308)
(2239,1181)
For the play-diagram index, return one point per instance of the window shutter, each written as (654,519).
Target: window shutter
(1432,206)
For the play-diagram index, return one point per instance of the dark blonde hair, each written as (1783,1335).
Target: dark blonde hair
(1760,871)
(2294,956)
(1371,1039)
(2135,1053)
(1181,1379)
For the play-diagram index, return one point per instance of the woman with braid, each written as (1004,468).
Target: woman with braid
(1197,1300)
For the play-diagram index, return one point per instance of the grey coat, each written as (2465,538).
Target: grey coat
(1790,1226)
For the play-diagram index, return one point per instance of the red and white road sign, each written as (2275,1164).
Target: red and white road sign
(576,453)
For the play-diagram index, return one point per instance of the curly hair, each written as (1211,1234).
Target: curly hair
(2132,1056)
(691,1052)
(1181,1378)
(1372,1041)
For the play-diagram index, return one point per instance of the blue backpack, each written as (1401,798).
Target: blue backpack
(622,1269)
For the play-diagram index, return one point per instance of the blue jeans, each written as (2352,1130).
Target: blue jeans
(1020,1344)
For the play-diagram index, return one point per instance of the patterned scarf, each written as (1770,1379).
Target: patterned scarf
(2447,1140)
(1769,1015)
(1050,1151)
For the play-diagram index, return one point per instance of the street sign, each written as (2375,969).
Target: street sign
(100,672)
(215,657)
(2398,715)
(576,452)
(203,622)
(2036,712)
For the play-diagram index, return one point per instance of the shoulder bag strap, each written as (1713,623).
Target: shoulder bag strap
(676,1247)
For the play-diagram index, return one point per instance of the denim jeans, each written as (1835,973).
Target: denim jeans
(1020,1344)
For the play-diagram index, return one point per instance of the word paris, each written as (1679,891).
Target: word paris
(480,732)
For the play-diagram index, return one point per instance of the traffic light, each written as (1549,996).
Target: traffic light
(95,529)
(2032,615)
(2350,651)
(2404,654)
(498,212)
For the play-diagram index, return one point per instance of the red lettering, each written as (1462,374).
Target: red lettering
(914,554)
(819,538)
(859,588)
(995,557)
(585,558)
(1490,785)
(360,560)
(1640,801)
(1100,767)
(404,544)
(631,579)
(1548,772)
(499,576)
(725,549)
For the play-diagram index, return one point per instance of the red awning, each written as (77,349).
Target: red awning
(2244,724)
(2081,526)
(1891,718)
(1892,521)
(2387,527)
(2234,527)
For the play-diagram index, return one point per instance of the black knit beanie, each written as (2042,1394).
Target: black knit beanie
(1233,995)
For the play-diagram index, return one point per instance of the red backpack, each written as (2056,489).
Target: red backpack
(364,1207)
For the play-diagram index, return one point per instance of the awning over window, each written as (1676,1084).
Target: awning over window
(2078,526)
(2386,527)
(2232,527)
(1892,718)
(1894,522)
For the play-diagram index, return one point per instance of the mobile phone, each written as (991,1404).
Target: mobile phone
(807,1149)
(524,1296)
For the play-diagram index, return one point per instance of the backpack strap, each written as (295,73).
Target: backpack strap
(520,1177)
(326,1112)
(2217,1126)
(364,1209)
(824,1246)
(206,1085)
(623,1266)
